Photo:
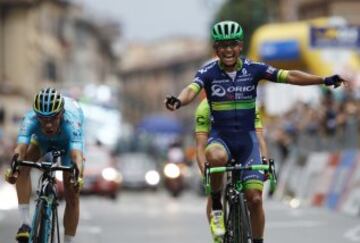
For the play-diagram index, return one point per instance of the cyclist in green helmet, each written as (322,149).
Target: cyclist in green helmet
(202,130)
(230,84)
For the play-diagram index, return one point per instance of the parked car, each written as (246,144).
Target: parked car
(100,175)
(139,171)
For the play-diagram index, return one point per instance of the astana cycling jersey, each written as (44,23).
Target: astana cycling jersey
(232,102)
(203,118)
(69,137)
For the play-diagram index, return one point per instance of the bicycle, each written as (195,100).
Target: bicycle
(45,220)
(236,212)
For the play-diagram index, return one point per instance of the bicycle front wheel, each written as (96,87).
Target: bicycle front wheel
(37,229)
(237,218)
(244,222)
(232,219)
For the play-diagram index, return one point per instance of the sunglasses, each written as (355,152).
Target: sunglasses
(47,118)
(226,44)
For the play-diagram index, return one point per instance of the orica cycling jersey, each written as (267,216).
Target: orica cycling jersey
(203,118)
(69,137)
(232,101)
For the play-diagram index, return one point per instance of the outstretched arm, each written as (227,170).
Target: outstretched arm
(301,78)
(186,96)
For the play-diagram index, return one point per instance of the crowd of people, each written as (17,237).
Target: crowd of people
(331,125)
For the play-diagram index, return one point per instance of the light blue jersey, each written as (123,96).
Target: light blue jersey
(70,135)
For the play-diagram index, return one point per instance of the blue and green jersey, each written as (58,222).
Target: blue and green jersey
(203,118)
(232,101)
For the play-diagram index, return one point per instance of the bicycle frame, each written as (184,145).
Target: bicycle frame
(45,218)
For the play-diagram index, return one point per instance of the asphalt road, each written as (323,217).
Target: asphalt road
(156,217)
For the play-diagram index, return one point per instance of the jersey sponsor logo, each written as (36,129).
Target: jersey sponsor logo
(221,81)
(243,79)
(270,70)
(220,91)
(200,120)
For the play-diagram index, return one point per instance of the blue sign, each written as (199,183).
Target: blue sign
(280,50)
(343,37)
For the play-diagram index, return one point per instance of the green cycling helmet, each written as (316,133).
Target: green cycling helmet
(227,30)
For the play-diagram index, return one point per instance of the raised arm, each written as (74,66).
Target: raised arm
(302,78)
(186,96)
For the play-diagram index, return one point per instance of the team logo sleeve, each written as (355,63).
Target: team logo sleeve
(270,73)
(76,136)
(200,78)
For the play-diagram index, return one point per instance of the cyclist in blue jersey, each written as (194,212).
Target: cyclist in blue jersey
(56,122)
(230,85)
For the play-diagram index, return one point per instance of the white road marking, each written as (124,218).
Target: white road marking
(353,234)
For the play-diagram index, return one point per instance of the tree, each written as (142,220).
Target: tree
(250,14)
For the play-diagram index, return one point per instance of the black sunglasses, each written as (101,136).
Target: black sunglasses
(226,44)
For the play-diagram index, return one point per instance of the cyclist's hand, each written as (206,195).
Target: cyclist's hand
(79,184)
(11,174)
(266,173)
(10,177)
(172,103)
(334,80)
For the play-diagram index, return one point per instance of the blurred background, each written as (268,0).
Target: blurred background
(120,58)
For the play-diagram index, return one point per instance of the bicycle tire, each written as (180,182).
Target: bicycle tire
(37,227)
(228,227)
(55,226)
(48,224)
(245,224)
(230,214)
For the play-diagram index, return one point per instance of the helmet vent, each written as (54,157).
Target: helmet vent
(226,29)
(232,28)
(219,29)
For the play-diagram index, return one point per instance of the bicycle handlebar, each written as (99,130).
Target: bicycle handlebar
(44,165)
(270,167)
(239,168)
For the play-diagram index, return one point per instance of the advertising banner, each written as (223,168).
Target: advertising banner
(335,37)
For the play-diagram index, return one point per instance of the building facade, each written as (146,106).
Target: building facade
(150,72)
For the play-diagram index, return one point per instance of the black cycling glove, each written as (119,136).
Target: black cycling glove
(334,80)
(172,101)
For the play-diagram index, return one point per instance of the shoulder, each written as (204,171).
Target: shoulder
(70,103)
(28,123)
(29,118)
(208,67)
(252,63)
